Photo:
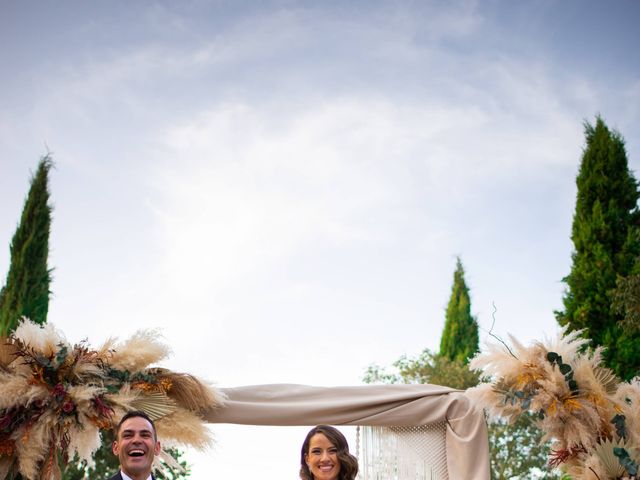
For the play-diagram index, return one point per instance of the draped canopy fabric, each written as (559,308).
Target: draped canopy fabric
(467,443)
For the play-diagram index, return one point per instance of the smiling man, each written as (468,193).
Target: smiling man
(136,445)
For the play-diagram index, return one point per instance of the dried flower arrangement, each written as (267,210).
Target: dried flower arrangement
(55,398)
(589,415)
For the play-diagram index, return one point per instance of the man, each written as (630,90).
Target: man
(135,446)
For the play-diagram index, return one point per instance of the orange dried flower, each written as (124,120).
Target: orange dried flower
(37,376)
(531,374)
(571,404)
(101,423)
(146,386)
(596,399)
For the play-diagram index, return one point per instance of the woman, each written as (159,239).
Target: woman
(325,456)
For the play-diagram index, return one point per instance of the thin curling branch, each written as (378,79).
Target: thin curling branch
(490,332)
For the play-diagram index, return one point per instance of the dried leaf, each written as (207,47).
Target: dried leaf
(171,462)
(8,351)
(156,404)
(190,393)
(610,463)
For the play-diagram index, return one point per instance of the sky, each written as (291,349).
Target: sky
(282,187)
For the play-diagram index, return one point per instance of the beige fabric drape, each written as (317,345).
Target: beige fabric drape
(467,443)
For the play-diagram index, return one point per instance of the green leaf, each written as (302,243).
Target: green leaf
(565,369)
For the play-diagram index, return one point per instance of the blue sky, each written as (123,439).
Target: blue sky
(282,187)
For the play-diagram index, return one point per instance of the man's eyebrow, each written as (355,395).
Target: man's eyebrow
(133,430)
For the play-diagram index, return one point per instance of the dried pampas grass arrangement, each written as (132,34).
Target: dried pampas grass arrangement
(589,415)
(56,398)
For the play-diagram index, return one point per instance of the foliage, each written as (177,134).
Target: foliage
(26,292)
(426,368)
(106,463)
(460,335)
(606,239)
(626,302)
(517,450)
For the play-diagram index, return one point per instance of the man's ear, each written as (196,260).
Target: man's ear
(156,448)
(114,447)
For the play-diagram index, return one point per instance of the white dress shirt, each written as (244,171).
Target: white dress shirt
(127,477)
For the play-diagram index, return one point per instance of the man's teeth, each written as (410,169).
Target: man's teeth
(136,453)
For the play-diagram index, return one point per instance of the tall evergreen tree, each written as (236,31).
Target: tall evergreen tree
(606,240)
(26,292)
(460,335)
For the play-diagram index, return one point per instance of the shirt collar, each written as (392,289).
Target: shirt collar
(127,477)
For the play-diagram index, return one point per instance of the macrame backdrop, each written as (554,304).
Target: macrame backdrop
(402,407)
(403,453)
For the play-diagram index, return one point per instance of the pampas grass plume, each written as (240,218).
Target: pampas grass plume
(44,338)
(32,445)
(121,400)
(140,351)
(567,345)
(185,428)
(85,441)
(192,394)
(13,387)
(83,394)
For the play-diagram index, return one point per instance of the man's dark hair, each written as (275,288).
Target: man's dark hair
(133,414)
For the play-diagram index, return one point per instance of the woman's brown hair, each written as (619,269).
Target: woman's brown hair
(348,463)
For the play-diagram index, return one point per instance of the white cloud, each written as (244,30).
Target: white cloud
(240,195)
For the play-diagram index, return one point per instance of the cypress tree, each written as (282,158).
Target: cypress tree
(606,243)
(460,335)
(26,292)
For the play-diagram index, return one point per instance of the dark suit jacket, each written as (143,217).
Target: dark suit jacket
(117,476)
